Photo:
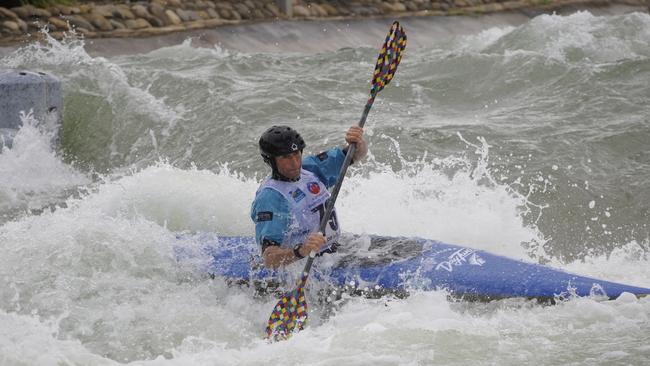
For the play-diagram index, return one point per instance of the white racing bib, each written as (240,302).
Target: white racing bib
(307,199)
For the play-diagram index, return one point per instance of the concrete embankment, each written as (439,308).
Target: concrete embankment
(145,18)
(308,35)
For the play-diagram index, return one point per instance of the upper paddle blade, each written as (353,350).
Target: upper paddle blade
(289,314)
(389,58)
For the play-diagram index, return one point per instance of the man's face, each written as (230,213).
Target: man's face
(289,165)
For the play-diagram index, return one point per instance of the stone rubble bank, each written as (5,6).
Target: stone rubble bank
(124,18)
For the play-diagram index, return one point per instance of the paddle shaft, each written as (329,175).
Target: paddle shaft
(385,68)
(290,313)
(339,182)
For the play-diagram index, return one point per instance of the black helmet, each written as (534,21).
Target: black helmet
(278,141)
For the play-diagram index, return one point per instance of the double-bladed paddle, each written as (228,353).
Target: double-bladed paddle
(290,313)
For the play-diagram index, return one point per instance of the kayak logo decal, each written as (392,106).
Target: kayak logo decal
(475,260)
(460,257)
(313,187)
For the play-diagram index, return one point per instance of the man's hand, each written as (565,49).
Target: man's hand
(355,135)
(276,256)
(313,244)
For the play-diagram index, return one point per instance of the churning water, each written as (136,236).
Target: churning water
(527,140)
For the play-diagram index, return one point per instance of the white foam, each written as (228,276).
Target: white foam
(577,38)
(629,264)
(180,200)
(25,340)
(451,199)
(33,175)
(80,72)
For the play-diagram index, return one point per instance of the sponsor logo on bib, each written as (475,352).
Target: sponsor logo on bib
(297,195)
(313,187)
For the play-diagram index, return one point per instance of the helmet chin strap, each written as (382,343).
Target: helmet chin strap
(276,175)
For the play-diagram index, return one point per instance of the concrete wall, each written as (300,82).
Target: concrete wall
(28,91)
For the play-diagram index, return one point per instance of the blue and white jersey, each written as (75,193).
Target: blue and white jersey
(287,212)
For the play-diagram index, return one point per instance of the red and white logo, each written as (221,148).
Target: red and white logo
(313,187)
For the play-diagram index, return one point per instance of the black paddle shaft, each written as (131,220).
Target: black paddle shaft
(291,310)
(337,187)
(385,68)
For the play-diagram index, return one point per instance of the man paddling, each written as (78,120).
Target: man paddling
(288,205)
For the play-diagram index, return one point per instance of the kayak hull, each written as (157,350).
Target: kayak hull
(399,264)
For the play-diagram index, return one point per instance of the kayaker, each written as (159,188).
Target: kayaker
(288,205)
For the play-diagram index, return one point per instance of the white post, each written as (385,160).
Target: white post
(286,6)
(22,91)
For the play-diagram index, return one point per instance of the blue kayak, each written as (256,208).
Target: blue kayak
(400,264)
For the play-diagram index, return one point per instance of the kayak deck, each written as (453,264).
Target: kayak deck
(397,265)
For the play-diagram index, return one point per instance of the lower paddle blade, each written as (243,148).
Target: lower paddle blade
(289,314)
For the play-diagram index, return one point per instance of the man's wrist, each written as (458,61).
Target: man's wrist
(296,251)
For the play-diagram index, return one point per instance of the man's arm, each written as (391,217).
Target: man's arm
(276,256)
(327,165)
(270,212)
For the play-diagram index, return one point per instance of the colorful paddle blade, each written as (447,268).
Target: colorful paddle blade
(289,314)
(389,58)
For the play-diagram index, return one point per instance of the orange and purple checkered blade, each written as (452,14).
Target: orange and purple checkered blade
(389,58)
(289,314)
